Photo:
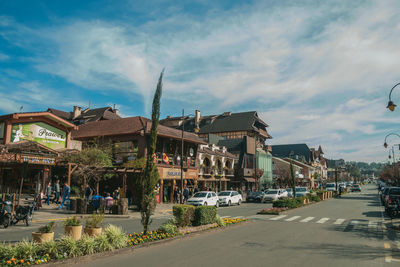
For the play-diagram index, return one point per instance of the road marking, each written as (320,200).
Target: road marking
(307,219)
(323,220)
(292,219)
(278,217)
(372,224)
(386,245)
(339,221)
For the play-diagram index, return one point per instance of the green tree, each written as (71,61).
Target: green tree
(150,175)
(293,179)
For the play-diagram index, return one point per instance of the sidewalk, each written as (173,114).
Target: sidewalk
(51,213)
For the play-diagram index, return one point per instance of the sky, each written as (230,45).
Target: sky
(317,72)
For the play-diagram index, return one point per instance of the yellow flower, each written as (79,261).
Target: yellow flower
(8,262)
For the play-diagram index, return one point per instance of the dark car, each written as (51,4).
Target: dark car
(255,197)
(383,195)
(391,196)
(356,187)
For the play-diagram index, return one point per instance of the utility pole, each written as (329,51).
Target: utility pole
(183,125)
(336,176)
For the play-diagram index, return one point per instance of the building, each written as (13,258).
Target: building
(243,134)
(128,138)
(30,144)
(281,172)
(79,116)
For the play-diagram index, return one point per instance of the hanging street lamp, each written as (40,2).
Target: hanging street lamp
(391,105)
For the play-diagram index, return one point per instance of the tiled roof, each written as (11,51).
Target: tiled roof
(62,114)
(285,151)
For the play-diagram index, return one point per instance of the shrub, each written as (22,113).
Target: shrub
(87,245)
(315,198)
(184,214)
(51,248)
(169,228)
(288,202)
(68,247)
(94,221)
(116,237)
(102,243)
(6,251)
(48,228)
(219,221)
(26,249)
(205,215)
(73,221)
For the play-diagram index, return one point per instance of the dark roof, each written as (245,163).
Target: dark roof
(130,125)
(87,115)
(59,113)
(233,145)
(29,146)
(292,150)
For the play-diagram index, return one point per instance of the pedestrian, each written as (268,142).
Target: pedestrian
(109,202)
(56,189)
(185,194)
(88,193)
(49,192)
(176,193)
(340,190)
(65,196)
(116,194)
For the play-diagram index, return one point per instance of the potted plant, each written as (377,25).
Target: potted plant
(93,224)
(73,227)
(45,233)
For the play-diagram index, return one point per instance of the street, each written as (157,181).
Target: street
(337,232)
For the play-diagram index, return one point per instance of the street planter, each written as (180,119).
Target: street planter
(321,195)
(74,231)
(39,237)
(93,231)
(80,206)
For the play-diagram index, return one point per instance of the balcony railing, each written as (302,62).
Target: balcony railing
(174,159)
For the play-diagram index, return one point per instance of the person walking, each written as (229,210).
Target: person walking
(56,189)
(49,192)
(185,194)
(176,194)
(65,196)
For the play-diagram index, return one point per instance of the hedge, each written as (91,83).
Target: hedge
(205,215)
(315,198)
(288,202)
(184,214)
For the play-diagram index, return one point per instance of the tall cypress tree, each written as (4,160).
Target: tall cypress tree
(150,175)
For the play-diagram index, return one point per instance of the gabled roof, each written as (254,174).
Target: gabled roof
(62,114)
(130,125)
(45,114)
(291,150)
(88,115)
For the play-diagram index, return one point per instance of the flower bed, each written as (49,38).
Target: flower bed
(273,211)
(140,238)
(230,221)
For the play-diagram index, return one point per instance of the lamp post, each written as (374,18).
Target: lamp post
(391,106)
(385,144)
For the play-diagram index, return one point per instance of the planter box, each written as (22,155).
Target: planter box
(42,237)
(74,231)
(93,231)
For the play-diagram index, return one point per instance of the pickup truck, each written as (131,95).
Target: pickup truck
(393,195)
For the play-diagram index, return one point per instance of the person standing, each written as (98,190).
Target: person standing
(88,193)
(176,193)
(65,196)
(185,194)
(49,192)
(56,189)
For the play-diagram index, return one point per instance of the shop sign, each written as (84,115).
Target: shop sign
(39,132)
(173,173)
(38,160)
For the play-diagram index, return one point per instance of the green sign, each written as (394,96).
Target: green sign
(39,132)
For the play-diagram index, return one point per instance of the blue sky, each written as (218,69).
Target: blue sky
(317,72)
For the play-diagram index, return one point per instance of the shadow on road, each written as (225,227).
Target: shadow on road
(373,214)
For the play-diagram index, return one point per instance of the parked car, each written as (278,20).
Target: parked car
(275,194)
(229,197)
(255,197)
(204,198)
(330,187)
(383,193)
(356,187)
(302,191)
(393,194)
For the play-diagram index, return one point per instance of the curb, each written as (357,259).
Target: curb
(97,256)
(83,216)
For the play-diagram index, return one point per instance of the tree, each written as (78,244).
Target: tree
(89,163)
(150,175)
(293,179)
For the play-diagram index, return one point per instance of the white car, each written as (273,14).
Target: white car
(229,197)
(204,198)
(330,187)
(275,194)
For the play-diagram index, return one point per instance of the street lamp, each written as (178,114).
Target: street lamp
(391,106)
(386,144)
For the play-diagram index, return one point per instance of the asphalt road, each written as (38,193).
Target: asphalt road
(20,231)
(339,232)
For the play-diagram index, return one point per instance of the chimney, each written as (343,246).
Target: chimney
(77,111)
(197,119)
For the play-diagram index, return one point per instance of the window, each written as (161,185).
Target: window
(125,151)
(1,130)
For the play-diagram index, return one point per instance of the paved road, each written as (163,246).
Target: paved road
(339,232)
(20,231)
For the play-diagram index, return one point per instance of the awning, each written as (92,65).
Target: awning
(250,180)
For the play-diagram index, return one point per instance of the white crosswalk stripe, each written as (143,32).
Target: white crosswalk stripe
(354,222)
(307,219)
(292,219)
(323,220)
(278,217)
(372,224)
(339,221)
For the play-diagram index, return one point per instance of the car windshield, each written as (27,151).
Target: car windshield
(200,195)
(301,189)
(272,192)
(330,185)
(224,193)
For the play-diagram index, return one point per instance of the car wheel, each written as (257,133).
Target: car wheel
(239,202)
(205,204)
(229,203)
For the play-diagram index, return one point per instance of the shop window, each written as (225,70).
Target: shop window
(125,151)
